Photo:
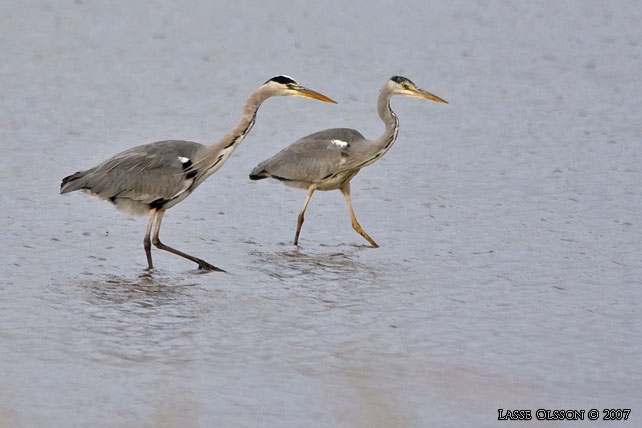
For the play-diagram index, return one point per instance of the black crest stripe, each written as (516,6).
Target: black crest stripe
(285,80)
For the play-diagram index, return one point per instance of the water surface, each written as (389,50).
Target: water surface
(509,269)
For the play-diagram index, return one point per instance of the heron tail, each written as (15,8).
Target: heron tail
(72,182)
(258,173)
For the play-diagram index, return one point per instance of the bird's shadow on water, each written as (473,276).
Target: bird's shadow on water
(144,289)
(341,262)
(330,277)
(139,318)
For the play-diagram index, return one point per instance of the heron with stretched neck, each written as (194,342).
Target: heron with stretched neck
(328,160)
(152,178)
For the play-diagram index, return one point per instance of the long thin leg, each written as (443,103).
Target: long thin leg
(345,189)
(147,243)
(202,264)
(311,190)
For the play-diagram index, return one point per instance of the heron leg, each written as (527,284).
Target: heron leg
(202,264)
(311,190)
(147,243)
(345,189)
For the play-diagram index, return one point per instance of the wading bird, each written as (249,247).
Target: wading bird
(152,178)
(328,160)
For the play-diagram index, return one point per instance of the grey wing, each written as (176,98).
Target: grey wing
(312,158)
(147,173)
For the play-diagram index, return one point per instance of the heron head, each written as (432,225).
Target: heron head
(404,86)
(287,86)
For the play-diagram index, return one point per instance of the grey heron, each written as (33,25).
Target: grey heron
(329,159)
(151,178)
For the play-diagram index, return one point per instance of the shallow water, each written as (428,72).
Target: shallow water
(509,269)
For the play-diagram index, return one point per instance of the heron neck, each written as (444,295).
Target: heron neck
(219,152)
(383,143)
(235,136)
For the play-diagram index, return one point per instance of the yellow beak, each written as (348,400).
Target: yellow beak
(425,94)
(309,93)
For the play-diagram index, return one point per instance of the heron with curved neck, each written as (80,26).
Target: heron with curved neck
(151,178)
(329,159)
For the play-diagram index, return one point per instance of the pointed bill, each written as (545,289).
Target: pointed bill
(425,94)
(309,93)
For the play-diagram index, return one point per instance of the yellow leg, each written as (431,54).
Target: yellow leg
(355,224)
(311,190)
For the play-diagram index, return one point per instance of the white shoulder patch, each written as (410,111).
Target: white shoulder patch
(339,143)
(183,159)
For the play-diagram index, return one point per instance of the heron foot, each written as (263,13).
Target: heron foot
(202,264)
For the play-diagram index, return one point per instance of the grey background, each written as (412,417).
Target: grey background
(509,269)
